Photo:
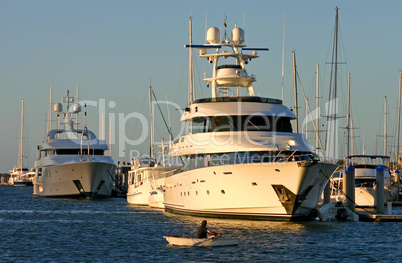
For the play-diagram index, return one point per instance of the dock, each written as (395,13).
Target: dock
(372,217)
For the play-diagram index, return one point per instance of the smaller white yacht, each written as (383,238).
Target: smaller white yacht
(72,162)
(145,182)
(365,180)
(146,177)
(20,175)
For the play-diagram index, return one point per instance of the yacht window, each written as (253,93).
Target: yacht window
(199,124)
(78,152)
(258,123)
(242,123)
(222,123)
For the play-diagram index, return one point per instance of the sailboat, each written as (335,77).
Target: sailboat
(364,165)
(242,158)
(20,175)
(146,177)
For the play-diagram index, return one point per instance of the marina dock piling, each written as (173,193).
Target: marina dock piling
(349,187)
(380,190)
(397,180)
(327,193)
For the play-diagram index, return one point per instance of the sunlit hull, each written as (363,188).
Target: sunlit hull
(76,179)
(280,191)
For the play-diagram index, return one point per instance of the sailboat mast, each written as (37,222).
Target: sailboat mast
(348,120)
(385,126)
(191,94)
(317,112)
(21,136)
(352,138)
(399,116)
(151,124)
(336,61)
(295,90)
(283,56)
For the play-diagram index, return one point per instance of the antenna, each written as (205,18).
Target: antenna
(206,26)
(170,126)
(77,99)
(244,25)
(50,108)
(151,124)
(283,55)
(225,36)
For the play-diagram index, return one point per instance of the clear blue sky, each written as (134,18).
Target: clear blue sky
(115,49)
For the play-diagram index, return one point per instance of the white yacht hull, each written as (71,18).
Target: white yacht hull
(76,179)
(145,191)
(22,183)
(139,195)
(273,191)
(156,199)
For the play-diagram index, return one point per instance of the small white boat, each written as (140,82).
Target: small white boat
(213,241)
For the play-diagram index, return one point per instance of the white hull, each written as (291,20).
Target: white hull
(22,182)
(365,197)
(76,179)
(279,191)
(201,242)
(157,198)
(150,179)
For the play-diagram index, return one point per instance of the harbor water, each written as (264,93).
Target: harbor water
(61,230)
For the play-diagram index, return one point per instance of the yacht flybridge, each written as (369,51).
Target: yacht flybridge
(242,159)
(71,162)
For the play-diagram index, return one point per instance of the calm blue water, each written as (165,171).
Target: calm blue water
(54,230)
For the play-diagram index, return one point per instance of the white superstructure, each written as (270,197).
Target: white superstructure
(241,156)
(72,162)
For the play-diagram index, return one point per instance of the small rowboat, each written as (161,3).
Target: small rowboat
(214,241)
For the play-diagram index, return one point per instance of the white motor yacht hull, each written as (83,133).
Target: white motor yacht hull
(145,191)
(273,191)
(75,179)
(156,199)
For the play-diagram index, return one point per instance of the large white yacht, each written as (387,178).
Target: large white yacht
(243,159)
(72,162)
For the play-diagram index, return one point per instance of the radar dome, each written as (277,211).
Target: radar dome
(237,35)
(213,35)
(58,107)
(76,108)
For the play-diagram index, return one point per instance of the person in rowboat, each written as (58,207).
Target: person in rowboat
(203,230)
